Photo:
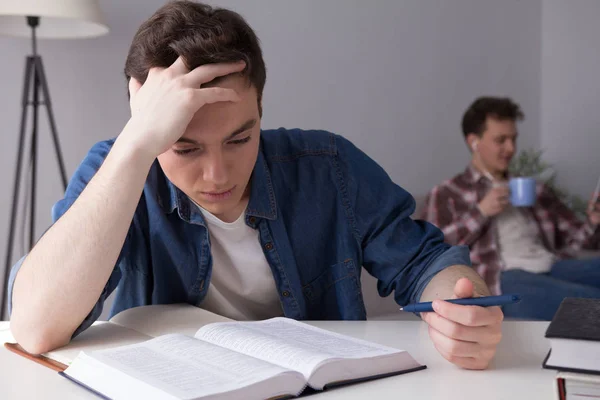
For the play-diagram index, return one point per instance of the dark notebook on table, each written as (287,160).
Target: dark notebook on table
(574,335)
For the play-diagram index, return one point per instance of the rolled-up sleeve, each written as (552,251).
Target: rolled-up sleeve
(402,253)
(455,255)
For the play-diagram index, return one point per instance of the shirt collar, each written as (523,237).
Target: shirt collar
(262,202)
(473,175)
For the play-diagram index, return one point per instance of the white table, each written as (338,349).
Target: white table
(516,372)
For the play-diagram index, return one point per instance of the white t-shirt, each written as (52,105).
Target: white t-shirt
(242,286)
(520,242)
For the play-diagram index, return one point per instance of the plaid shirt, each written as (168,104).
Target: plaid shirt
(453,207)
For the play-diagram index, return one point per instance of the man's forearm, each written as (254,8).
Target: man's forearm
(64,274)
(442,284)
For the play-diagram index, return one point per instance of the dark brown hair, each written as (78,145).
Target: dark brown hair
(501,108)
(200,34)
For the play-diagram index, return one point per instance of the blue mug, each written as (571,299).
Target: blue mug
(522,191)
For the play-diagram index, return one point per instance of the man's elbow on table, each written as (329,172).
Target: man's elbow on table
(37,337)
(36,331)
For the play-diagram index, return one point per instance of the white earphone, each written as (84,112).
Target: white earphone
(474,146)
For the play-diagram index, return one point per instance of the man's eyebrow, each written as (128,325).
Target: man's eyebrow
(247,125)
(187,140)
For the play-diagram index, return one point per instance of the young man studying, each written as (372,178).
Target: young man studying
(525,250)
(193,203)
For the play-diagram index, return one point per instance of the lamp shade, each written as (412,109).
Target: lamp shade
(59,19)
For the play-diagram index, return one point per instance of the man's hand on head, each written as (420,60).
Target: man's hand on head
(163,106)
(465,335)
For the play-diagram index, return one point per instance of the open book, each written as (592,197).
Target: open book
(223,359)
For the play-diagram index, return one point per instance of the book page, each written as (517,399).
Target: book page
(187,368)
(576,354)
(101,335)
(162,319)
(582,390)
(290,344)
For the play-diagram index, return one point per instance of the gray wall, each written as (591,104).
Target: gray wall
(392,76)
(571,92)
(396,78)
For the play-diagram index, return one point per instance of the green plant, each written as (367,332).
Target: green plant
(529,162)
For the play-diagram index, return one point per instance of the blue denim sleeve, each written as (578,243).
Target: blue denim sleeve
(455,255)
(402,253)
(84,173)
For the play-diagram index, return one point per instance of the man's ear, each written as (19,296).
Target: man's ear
(472,140)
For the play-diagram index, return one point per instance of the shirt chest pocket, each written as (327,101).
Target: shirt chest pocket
(336,292)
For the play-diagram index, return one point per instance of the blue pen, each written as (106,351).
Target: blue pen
(470,301)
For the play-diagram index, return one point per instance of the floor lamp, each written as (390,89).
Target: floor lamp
(45,19)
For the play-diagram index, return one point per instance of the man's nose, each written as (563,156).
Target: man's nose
(215,170)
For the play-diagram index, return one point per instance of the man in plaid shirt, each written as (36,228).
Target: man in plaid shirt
(525,250)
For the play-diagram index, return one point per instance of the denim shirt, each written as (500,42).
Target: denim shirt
(323,210)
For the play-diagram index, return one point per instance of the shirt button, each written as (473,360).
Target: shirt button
(286,293)
(252,220)
(269,246)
